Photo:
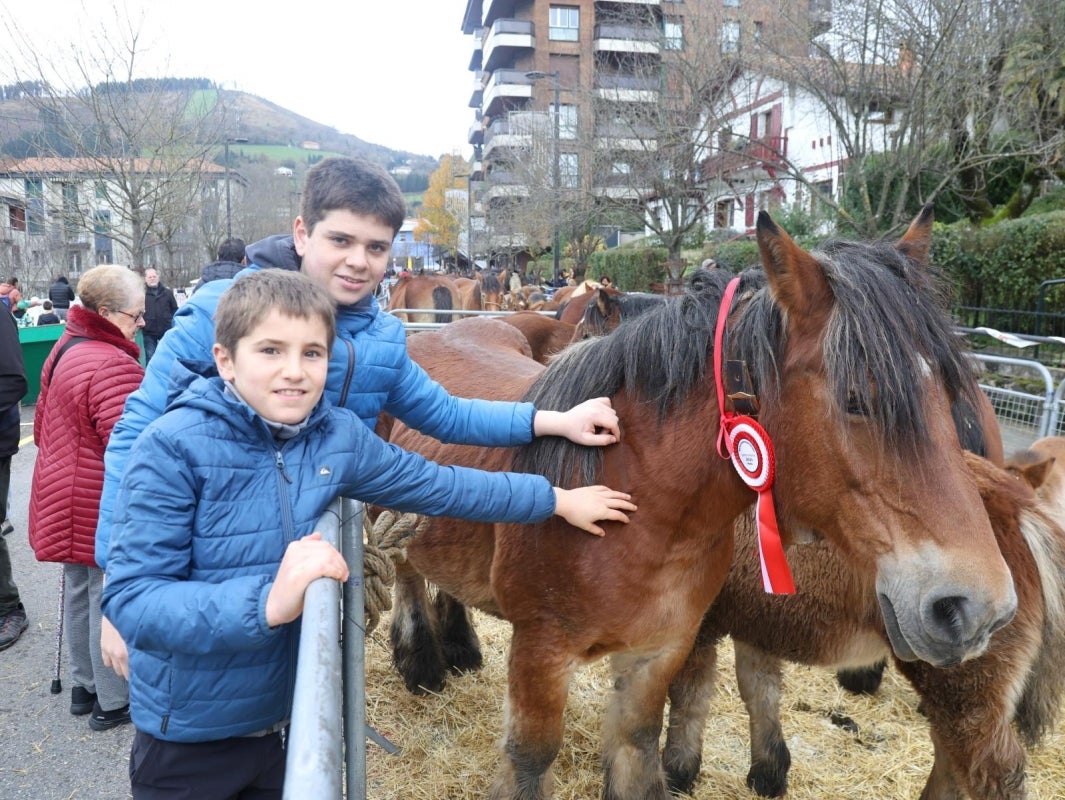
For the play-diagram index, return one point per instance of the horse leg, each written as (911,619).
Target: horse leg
(462,648)
(759,678)
(690,693)
(862,680)
(538,679)
(632,766)
(417,650)
(975,756)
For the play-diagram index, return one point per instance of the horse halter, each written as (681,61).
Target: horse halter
(746,443)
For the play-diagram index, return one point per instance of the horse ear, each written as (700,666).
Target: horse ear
(916,243)
(796,279)
(1036,473)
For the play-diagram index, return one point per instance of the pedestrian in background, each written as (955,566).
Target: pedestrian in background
(12,389)
(84,384)
(61,295)
(10,294)
(48,315)
(159,307)
(231,260)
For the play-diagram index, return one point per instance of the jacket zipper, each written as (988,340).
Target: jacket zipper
(283,482)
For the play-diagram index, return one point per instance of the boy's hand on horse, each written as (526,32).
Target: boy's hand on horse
(583,507)
(593,423)
(305,560)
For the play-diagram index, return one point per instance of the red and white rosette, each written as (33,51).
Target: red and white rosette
(751,452)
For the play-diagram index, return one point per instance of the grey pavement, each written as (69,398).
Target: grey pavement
(45,753)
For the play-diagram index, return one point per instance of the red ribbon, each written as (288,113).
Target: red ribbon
(759,473)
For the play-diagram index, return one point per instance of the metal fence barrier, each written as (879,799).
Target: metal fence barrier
(1023,416)
(331,675)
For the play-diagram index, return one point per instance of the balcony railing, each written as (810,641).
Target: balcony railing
(743,155)
(504,38)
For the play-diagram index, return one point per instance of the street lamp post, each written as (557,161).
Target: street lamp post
(536,75)
(228,141)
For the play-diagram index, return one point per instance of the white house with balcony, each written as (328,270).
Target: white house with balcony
(65,215)
(773,142)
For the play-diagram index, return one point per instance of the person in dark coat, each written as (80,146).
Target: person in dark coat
(48,316)
(231,260)
(12,389)
(61,295)
(159,307)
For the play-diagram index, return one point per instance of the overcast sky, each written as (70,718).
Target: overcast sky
(392,72)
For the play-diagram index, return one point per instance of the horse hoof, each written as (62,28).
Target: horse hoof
(463,659)
(681,780)
(766,784)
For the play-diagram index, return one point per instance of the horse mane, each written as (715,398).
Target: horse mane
(629,305)
(875,362)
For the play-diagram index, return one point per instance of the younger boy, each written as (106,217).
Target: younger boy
(350,212)
(212,544)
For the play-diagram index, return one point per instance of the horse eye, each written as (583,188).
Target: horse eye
(856,405)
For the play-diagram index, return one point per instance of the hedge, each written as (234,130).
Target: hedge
(1002,265)
(632,269)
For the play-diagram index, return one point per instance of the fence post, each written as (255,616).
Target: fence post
(314,751)
(354,652)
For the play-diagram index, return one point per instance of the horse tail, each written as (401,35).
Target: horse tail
(1040,699)
(441,300)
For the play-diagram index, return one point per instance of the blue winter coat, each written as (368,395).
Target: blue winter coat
(369,371)
(206,508)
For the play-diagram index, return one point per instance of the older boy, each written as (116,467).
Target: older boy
(212,544)
(350,213)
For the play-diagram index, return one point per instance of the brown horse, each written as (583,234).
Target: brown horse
(835,619)
(853,362)
(428,292)
(547,337)
(471,297)
(607,308)
(493,291)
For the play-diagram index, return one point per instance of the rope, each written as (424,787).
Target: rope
(386,546)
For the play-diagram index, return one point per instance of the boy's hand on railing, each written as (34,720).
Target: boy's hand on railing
(305,560)
(583,507)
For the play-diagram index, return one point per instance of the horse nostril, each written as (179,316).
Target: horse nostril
(948,615)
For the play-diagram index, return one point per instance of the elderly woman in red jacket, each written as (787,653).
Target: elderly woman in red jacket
(84,384)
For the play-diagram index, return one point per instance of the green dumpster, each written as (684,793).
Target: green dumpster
(37,343)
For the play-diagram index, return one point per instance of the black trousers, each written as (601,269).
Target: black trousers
(247,768)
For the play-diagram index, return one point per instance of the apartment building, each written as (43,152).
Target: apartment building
(583,108)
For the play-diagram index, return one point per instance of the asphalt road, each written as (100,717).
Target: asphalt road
(45,753)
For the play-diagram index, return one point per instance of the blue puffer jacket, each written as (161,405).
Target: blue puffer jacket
(206,508)
(369,371)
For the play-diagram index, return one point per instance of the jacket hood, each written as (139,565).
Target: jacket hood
(274,252)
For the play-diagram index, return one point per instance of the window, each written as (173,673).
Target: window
(71,213)
(882,114)
(102,245)
(723,214)
(759,28)
(100,190)
(673,33)
(620,168)
(564,23)
(568,170)
(16,216)
(730,36)
(732,3)
(567,122)
(34,206)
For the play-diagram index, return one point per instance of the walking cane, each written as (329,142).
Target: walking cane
(57,684)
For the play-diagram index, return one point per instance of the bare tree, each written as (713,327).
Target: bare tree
(934,78)
(147,140)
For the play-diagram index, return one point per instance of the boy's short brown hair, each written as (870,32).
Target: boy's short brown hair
(251,299)
(351,184)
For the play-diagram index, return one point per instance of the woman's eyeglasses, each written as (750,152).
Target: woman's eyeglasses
(138,317)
